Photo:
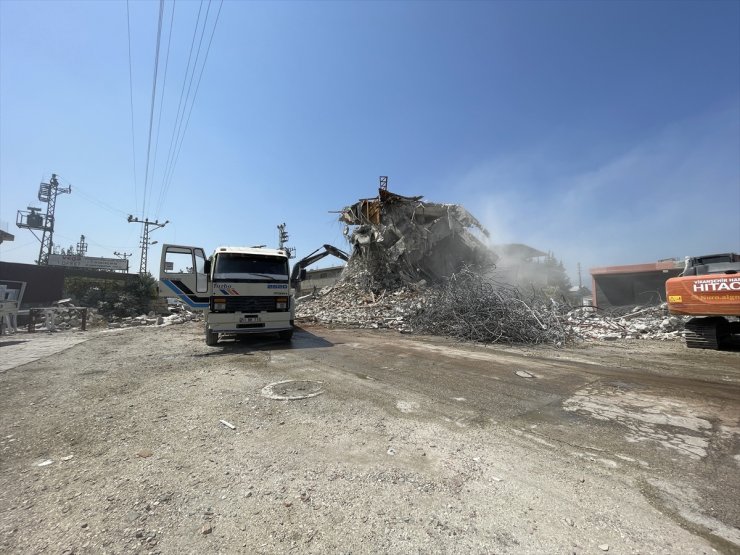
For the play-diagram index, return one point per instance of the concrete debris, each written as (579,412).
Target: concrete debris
(398,240)
(639,322)
(180,317)
(66,316)
(349,305)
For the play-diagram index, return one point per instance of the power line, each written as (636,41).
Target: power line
(180,105)
(131,96)
(189,90)
(164,88)
(106,247)
(187,122)
(98,202)
(90,198)
(154,96)
(16,247)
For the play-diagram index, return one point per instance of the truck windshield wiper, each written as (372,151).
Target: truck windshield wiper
(264,276)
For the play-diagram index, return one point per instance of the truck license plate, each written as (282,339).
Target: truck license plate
(247,319)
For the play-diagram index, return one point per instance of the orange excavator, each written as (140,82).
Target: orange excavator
(708,289)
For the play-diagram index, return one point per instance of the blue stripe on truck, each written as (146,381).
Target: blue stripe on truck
(182,296)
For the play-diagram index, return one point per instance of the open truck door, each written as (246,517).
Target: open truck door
(183,274)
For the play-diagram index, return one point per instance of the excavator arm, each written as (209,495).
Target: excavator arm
(298,273)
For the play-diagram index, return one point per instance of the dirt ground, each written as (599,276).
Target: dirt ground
(401,444)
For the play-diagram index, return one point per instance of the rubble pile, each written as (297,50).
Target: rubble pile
(67,317)
(466,306)
(349,305)
(179,315)
(469,306)
(638,322)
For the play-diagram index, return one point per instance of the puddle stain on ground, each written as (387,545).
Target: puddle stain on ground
(675,424)
(292,390)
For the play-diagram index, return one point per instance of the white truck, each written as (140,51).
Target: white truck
(241,290)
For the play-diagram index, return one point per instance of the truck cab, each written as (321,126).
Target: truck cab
(241,290)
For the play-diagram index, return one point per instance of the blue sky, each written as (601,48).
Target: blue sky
(605,132)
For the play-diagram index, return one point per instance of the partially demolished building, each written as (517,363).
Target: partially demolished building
(403,249)
(397,239)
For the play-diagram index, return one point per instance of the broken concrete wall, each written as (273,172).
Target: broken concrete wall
(397,240)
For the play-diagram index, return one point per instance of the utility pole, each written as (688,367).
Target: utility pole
(82,246)
(282,239)
(580,283)
(144,244)
(383,182)
(33,219)
(48,193)
(282,235)
(123,255)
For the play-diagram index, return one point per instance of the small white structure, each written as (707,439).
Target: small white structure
(11,295)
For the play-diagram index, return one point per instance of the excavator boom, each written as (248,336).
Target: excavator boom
(315,256)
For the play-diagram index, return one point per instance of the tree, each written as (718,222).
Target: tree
(557,278)
(129,296)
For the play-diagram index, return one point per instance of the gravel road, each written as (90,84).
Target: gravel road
(160,444)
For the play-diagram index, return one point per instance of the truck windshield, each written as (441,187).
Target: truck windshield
(250,266)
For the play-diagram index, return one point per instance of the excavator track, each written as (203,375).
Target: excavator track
(706,333)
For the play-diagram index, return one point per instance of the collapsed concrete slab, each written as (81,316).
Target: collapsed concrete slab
(397,239)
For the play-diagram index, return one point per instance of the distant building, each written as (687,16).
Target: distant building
(5,236)
(632,284)
(520,264)
(319,278)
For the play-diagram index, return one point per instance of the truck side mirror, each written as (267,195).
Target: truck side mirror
(207,267)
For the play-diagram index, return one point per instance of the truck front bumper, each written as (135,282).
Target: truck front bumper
(263,322)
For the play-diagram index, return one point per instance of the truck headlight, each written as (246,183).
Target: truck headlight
(219,304)
(281,303)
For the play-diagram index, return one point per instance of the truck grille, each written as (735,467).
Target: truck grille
(250,304)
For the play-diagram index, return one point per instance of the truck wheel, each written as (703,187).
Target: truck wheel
(211,337)
(286,335)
